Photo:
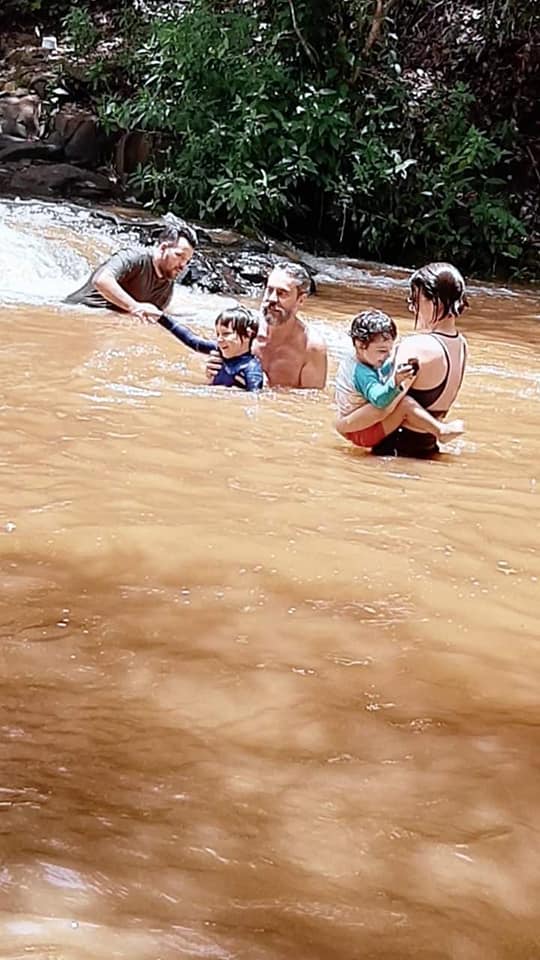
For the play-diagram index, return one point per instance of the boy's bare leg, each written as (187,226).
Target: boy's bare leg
(421,420)
(409,413)
(366,415)
(403,412)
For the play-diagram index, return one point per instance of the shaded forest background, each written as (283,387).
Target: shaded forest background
(394,130)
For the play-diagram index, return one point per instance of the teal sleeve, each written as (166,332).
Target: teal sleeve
(367,383)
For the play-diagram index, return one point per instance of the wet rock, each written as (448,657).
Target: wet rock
(13,148)
(81,137)
(132,150)
(204,275)
(218,270)
(19,114)
(224,238)
(53,179)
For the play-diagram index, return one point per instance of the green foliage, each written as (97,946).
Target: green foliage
(314,125)
(81,30)
(432,190)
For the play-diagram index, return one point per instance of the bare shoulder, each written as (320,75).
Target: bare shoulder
(315,368)
(315,343)
(420,345)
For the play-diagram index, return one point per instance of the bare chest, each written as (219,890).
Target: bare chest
(282,364)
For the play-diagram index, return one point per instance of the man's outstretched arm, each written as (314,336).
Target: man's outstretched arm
(109,287)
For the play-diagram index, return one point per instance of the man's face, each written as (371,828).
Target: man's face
(282,298)
(172,258)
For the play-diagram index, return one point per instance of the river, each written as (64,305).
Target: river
(263,696)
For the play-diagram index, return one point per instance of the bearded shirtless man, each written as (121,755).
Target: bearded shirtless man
(292,355)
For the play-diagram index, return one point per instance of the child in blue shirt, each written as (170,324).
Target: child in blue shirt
(236,329)
(370,377)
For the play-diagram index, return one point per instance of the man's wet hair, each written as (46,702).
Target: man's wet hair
(243,321)
(298,273)
(443,284)
(174,231)
(371,324)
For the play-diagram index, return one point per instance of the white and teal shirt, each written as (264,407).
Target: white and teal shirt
(378,387)
(358,384)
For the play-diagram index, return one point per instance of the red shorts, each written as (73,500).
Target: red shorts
(369,437)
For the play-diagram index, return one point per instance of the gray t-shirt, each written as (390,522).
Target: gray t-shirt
(135,272)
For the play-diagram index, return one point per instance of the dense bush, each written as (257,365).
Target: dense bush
(330,122)
(292,124)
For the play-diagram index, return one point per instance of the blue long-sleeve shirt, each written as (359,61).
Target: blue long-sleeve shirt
(376,386)
(244,371)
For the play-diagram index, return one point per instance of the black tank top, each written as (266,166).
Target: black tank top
(455,358)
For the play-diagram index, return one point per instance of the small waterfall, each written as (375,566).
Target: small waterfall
(46,250)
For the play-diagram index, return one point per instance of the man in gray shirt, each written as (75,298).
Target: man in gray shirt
(140,281)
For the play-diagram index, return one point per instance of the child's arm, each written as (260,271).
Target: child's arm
(186,336)
(370,413)
(378,394)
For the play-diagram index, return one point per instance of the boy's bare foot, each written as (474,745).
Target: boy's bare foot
(451,430)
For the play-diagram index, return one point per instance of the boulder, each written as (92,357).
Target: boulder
(82,139)
(54,179)
(132,150)
(19,115)
(13,148)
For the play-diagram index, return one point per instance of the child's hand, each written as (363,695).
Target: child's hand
(213,365)
(406,371)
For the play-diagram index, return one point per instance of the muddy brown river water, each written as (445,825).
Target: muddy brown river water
(262,696)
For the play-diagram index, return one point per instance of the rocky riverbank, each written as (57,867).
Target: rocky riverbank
(51,141)
(54,148)
(225,261)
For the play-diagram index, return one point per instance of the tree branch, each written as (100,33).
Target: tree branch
(381,11)
(304,44)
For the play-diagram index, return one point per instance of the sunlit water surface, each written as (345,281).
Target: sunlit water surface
(263,695)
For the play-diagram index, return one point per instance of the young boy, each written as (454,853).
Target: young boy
(236,329)
(370,377)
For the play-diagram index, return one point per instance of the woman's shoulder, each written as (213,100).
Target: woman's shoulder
(421,344)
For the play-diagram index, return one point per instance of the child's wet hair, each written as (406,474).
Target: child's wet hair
(371,324)
(241,320)
(443,285)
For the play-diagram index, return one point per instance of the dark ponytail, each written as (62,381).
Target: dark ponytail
(443,285)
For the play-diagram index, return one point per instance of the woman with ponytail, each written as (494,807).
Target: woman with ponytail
(437,299)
